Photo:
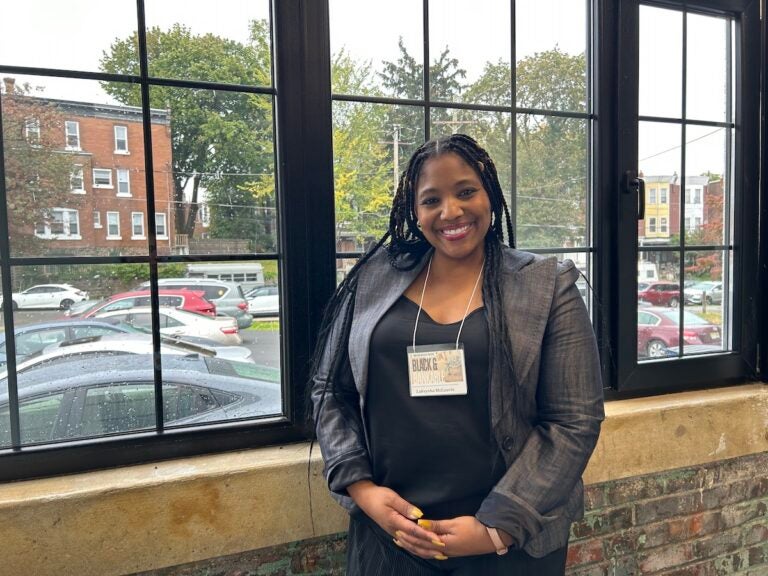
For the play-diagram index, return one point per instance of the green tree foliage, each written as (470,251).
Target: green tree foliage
(221,139)
(37,174)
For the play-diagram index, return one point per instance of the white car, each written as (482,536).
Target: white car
(174,322)
(264,301)
(59,296)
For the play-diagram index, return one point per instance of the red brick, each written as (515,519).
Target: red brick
(585,552)
(737,514)
(602,522)
(669,557)
(718,545)
(756,534)
(667,507)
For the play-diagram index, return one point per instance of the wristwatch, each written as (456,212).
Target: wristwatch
(501,548)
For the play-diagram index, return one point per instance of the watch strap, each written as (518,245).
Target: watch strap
(501,548)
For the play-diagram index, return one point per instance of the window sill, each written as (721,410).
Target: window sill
(138,237)
(123,195)
(103,187)
(177,511)
(77,191)
(122,152)
(114,237)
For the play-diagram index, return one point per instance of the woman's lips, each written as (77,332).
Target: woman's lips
(455,232)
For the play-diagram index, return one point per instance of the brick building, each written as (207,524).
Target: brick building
(105,211)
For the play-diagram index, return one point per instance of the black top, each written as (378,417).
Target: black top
(436,452)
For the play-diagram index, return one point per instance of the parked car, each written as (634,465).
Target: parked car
(660,294)
(173,322)
(264,301)
(32,338)
(92,396)
(58,296)
(659,328)
(228,296)
(713,291)
(189,300)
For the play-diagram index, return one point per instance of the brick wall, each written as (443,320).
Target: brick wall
(700,521)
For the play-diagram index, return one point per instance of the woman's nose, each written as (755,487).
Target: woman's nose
(451,210)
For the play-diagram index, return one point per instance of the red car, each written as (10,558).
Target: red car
(659,328)
(189,300)
(660,294)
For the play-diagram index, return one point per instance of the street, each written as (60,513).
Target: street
(264,344)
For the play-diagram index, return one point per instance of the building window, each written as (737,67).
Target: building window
(96,219)
(663,225)
(161,229)
(32,131)
(663,196)
(102,178)
(687,224)
(697,221)
(64,224)
(72,132)
(651,224)
(652,196)
(76,179)
(113,226)
(137,225)
(121,140)
(697,196)
(123,182)
(687,195)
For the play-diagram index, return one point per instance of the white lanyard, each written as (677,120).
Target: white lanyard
(466,311)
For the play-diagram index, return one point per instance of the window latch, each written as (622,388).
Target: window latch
(632,185)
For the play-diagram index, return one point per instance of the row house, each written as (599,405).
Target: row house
(105,210)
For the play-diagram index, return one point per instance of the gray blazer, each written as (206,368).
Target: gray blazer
(546,441)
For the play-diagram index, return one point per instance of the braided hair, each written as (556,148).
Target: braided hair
(406,245)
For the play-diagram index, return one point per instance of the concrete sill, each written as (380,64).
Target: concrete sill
(154,515)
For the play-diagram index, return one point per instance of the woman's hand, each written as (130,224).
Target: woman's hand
(463,535)
(396,516)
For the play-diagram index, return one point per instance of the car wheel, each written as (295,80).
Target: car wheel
(656,349)
(673,302)
(14,305)
(66,304)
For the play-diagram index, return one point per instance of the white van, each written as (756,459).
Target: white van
(249,275)
(647,271)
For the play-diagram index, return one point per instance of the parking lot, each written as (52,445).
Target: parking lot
(264,344)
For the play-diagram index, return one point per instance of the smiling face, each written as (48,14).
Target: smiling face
(452,208)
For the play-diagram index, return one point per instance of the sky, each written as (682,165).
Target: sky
(74,34)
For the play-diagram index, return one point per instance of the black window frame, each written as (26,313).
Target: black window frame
(307,256)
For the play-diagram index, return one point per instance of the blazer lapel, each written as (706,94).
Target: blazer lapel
(379,287)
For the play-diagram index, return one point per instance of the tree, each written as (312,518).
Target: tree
(37,174)
(221,139)
(708,265)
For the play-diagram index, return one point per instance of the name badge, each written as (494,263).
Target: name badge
(437,370)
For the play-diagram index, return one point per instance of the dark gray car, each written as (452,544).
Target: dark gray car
(93,396)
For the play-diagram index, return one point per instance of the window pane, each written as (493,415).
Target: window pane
(53,188)
(459,72)
(661,58)
(551,182)
(551,45)
(39,418)
(66,35)
(375,50)
(216,178)
(707,194)
(227,42)
(707,68)
(658,308)
(659,163)
(371,147)
(707,302)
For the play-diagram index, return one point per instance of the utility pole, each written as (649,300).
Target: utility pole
(396,142)
(455,122)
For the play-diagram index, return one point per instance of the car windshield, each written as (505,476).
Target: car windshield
(689,318)
(703,286)
(85,306)
(642,286)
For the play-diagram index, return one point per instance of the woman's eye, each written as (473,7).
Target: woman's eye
(467,192)
(428,201)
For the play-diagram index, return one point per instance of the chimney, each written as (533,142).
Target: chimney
(10,85)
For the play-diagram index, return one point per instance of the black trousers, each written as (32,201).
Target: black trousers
(371,552)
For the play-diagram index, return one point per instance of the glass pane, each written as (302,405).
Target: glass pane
(551,38)
(659,164)
(661,58)
(227,42)
(658,305)
(62,165)
(237,345)
(65,35)
(705,186)
(706,300)
(707,68)
(5,416)
(375,50)
(459,72)
(371,147)
(551,182)
(215,177)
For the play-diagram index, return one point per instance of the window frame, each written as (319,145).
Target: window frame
(76,135)
(108,186)
(66,222)
(135,236)
(78,173)
(119,172)
(124,151)
(117,235)
(164,217)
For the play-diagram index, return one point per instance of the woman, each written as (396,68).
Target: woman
(456,385)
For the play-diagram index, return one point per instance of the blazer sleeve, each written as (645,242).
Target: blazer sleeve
(336,412)
(569,399)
